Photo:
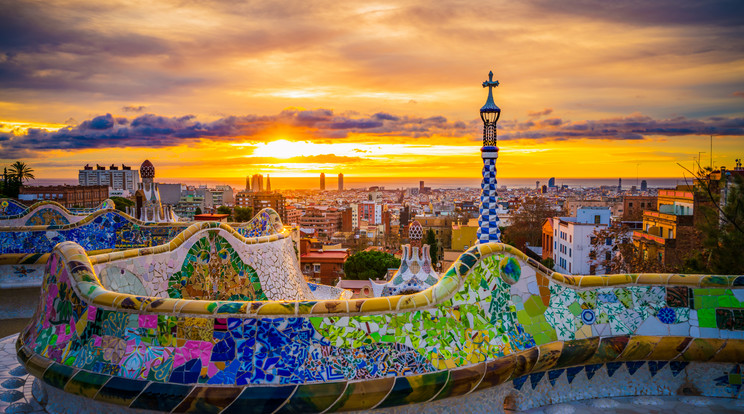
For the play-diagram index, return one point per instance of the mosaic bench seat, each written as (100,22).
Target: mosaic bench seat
(496,322)
(28,237)
(43,213)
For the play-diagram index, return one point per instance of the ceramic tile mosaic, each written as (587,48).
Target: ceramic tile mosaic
(491,319)
(44,213)
(414,274)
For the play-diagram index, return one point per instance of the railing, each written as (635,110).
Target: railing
(651,237)
(676,194)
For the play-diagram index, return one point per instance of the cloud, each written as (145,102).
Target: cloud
(157,131)
(537,114)
(739,94)
(133,108)
(634,127)
(660,12)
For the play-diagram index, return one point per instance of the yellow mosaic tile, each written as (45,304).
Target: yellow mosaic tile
(376,305)
(196,307)
(285,308)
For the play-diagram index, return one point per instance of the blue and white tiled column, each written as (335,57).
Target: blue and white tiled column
(488,222)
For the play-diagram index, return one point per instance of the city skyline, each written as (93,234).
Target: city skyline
(375,90)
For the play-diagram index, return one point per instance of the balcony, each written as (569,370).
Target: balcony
(642,236)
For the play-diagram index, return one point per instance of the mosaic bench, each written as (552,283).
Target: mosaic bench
(496,320)
(25,248)
(44,213)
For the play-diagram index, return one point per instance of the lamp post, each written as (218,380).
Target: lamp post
(488,222)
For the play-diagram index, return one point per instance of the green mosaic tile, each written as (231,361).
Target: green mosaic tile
(534,306)
(575,308)
(707,318)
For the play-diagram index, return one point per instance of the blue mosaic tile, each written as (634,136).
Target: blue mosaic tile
(554,375)
(519,382)
(535,378)
(571,373)
(612,367)
(187,373)
(633,366)
(656,366)
(677,366)
(591,370)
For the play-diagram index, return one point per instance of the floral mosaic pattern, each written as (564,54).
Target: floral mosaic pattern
(47,217)
(213,270)
(265,223)
(477,324)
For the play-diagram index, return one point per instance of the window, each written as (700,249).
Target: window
(316,267)
(569,252)
(629,205)
(608,256)
(570,238)
(608,241)
(597,219)
(671,234)
(592,269)
(569,268)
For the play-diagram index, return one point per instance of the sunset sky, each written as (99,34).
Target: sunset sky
(210,89)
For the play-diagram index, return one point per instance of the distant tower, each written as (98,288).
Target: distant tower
(619,185)
(644,185)
(488,222)
(268,183)
(340,182)
(421,186)
(322,181)
(247,183)
(551,182)
(537,185)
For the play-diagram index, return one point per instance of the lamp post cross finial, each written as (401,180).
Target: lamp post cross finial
(490,83)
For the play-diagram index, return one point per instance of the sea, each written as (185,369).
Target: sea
(350,182)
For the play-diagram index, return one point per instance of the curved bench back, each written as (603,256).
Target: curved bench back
(493,317)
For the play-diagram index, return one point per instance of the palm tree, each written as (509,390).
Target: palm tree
(21,171)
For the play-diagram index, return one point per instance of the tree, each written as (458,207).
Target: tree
(360,243)
(431,240)
(198,210)
(21,171)
(122,203)
(243,214)
(225,210)
(369,265)
(392,240)
(526,222)
(721,225)
(612,248)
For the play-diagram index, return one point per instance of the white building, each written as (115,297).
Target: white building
(572,239)
(117,179)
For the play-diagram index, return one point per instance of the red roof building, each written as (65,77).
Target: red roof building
(322,266)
